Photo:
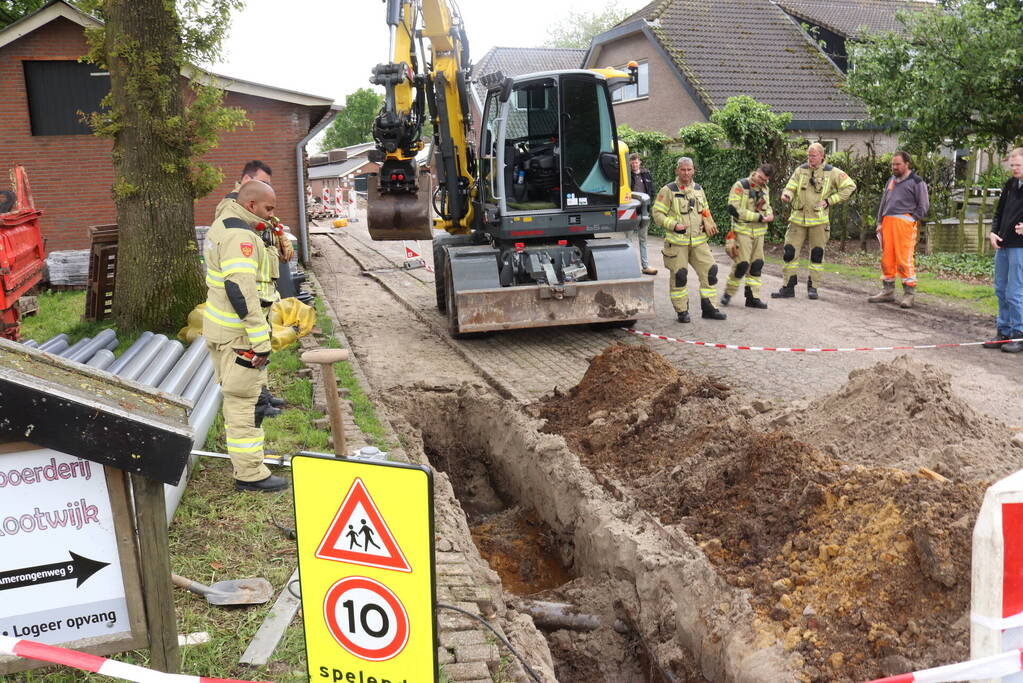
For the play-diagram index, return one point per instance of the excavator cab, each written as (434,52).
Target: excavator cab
(548,156)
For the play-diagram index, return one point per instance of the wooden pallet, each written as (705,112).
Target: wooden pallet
(99,295)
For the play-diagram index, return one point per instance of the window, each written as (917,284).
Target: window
(830,145)
(636,90)
(58,90)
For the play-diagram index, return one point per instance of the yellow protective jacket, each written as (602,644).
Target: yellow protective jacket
(808,186)
(235,255)
(747,204)
(267,278)
(688,206)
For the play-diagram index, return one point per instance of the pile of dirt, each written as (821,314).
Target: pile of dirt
(904,414)
(863,571)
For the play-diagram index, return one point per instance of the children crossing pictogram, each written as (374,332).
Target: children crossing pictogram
(359,535)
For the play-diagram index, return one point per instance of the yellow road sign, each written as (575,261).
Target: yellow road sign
(365,560)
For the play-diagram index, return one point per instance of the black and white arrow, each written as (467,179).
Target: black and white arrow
(79,568)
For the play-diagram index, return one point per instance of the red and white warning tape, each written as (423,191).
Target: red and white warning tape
(739,347)
(996,666)
(28,649)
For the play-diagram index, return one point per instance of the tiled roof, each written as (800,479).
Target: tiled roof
(848,17)
(515,61)
(727,48)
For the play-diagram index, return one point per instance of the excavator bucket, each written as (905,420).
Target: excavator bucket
(507,308)
(394,216)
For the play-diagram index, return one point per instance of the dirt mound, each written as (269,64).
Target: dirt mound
(862,571)
(904,414)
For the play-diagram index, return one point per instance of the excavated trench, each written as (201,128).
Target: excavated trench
(555,535)
(718,538)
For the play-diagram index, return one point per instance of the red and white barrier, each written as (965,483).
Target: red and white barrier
(340,206)
(996,601)
(27,649)
(740,347)
(996,666)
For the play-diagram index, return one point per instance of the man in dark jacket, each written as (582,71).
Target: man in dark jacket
(1007,239)
(640,180)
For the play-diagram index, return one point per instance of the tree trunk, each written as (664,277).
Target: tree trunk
(158,271)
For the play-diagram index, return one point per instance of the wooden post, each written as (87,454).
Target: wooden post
(157,593)
(326,358)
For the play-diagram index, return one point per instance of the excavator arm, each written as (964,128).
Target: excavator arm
(400,199)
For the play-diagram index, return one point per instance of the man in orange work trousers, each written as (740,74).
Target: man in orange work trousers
(904,204)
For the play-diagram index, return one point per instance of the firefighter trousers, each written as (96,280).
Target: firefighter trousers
(677,259)
(795,236)
(240,386)
(748,264)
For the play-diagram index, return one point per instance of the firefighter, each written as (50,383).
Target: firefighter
(749,204)
(236,330)
(280,246)
(681,210)
(812,190)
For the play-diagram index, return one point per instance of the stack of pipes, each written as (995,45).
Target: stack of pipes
(158,362)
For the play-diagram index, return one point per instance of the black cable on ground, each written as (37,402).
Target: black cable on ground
(291,590)
(504,641)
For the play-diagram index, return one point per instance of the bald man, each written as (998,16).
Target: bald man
(236,330)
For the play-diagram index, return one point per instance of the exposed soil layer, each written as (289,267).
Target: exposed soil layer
(605,654)
(863,570)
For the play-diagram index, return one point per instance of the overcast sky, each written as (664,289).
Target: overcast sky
(328,47)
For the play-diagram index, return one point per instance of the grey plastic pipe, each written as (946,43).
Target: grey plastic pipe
(101,360)
(144,357)
(98,342)
(53,341)
(162,363)
(196,385)
(130,352)
(56,348)
(177,379)
(74,348)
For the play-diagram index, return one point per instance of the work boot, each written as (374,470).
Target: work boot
(726,299)
(265,397)
(996,342)
(811,291)
(752,301)
(709,312)
(683,316)
(886,295)
(267,485)
(647,270)
(787,291)
(907,297)
(1013,346)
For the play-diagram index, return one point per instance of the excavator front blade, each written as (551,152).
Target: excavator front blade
(394,216)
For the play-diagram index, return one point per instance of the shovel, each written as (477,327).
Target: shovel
(235,592)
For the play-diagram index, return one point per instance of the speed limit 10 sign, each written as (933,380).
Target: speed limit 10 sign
(366,566)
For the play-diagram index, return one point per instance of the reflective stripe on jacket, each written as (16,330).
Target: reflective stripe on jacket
(808,187)
(686,206)
(749,203)
(235,255)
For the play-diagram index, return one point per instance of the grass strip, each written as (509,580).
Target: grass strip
(61,312)
(978,297)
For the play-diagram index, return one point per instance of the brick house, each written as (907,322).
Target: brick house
(695,54)
(70,169)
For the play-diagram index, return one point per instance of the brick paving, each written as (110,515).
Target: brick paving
(530,363)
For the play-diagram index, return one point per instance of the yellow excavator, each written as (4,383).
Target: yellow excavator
(526,213)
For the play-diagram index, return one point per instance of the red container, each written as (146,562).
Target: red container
(21,253)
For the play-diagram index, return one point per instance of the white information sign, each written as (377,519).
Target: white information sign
(60,576)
